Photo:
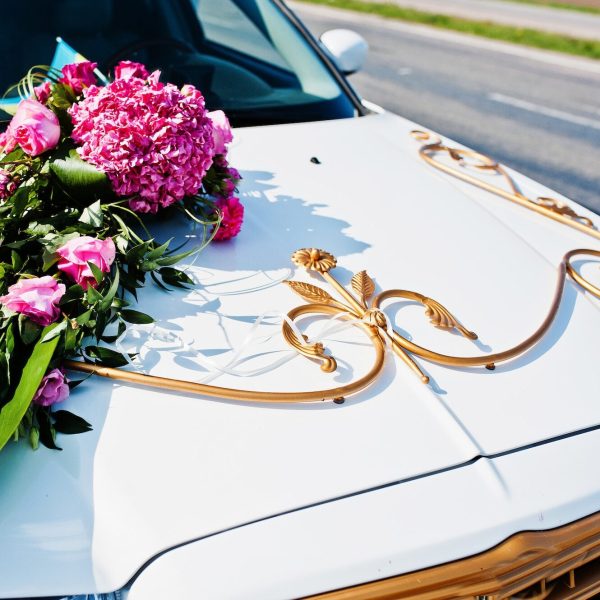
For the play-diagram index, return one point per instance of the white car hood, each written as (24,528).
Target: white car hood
(161,469)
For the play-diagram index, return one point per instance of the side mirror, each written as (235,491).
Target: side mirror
(348,49)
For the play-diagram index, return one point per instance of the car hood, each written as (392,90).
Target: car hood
(162,468)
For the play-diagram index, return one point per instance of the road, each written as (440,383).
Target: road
(535,112)
(566,22)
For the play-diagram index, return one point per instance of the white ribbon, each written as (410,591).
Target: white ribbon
(150,335)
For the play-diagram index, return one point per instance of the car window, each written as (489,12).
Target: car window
(244,55)
(224,23)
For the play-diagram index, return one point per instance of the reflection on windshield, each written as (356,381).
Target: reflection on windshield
(244,55)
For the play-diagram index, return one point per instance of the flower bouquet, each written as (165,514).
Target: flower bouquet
(81,164)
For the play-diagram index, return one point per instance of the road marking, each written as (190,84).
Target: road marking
(545,110)
(403,71)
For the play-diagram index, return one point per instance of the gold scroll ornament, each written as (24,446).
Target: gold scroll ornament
(363,308)
(465,159)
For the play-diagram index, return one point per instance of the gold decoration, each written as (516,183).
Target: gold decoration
(364,286)
(368,317)
(549,207)
(309,292)
(313,259)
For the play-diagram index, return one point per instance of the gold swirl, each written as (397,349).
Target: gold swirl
(549,207)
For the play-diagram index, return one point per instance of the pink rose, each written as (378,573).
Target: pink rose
(127,69)
(36,298)
(232,211)
(77,253)
(53,389)
(222,134)
(79,75)
(34,127)
(42,91)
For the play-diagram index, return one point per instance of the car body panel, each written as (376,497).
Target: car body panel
(161,469)
(399,529)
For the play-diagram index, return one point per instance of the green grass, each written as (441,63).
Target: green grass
(506,33)
(566,6)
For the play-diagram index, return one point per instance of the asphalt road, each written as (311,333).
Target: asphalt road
(537,114)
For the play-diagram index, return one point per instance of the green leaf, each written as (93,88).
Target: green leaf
(79,177)
(61,97)
(73,293)
(98,274)
(92,215)
(55,332)
(107,357)
(28,330)
(175,258)
(47,431)
(19,201)
(17,261)
(70,339)
(49,259)
(84,318)
(175,277)
(68,423)
(137,317)
(34,371)
(105,304)
(93,295)
(158,251)
(16,154)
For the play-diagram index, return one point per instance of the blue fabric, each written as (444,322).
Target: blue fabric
(65,55)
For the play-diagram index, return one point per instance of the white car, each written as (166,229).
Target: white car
(480,483)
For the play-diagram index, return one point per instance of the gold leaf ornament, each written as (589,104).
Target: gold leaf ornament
(363,285)
(441,317)
(310,292)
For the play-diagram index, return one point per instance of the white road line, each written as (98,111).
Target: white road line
(545,110)
(403,71)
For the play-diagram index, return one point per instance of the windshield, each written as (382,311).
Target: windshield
(245,56)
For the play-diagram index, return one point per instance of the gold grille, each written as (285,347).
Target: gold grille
(559,564)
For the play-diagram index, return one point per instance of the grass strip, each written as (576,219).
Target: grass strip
(563,5)
(506,33)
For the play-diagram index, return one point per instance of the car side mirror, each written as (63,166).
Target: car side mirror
(347,48)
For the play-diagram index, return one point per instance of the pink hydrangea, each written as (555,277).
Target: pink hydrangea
(127,69)
(79,75)
(77,253)
(232,211)
(153,140)
(53,388)
(7,185)
(37,298)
